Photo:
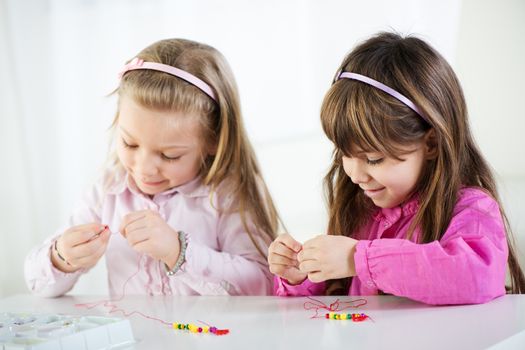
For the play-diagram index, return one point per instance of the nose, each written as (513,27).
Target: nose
(356,170)
(146,165)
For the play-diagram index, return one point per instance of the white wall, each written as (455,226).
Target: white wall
(63,56)
(490,65)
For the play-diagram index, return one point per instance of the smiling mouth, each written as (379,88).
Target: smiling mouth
(152,183)
(373,192)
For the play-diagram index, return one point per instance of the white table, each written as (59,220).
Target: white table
(283,323)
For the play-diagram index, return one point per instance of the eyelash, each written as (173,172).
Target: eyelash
(163,156)
(374,161)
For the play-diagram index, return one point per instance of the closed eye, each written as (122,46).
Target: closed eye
(169,159)
(127,145)
(374,161)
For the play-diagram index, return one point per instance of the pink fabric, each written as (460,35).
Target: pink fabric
(466,266)
(220,257)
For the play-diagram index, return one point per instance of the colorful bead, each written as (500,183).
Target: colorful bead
(353,317)
(197,329)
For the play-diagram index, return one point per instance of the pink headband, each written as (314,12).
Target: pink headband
(138,63)
(383,87)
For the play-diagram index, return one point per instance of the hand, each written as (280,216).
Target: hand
(81,246)
(282,257)
(148,233)
(328,257)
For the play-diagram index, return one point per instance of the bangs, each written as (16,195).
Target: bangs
(162,91)
(356,117)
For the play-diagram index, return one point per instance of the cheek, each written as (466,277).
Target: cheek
(124,156)
(403,178)
(346,166)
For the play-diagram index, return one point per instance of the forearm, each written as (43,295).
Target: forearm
(460,272)
(237,275)
(42,278)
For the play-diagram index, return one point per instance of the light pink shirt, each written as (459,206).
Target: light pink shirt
(466,266)
(220,257)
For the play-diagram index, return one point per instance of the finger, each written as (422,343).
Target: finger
(131,217)
(87,249)
(309,266)
(281,249)
(143,246)
(96,227)
(314,242)
(135,237)
(136,225)
(307,254)
(317,277)
(279,270)
(105,232)
(282,260)
(290,242)
(74,238)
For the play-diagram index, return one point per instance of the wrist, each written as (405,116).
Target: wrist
(58,260)
(175,264)
(294,282)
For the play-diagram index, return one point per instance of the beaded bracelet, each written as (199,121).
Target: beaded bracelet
(55,247)
(182,255)
(354,317)
(199,329)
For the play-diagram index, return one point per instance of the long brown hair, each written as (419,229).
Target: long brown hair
(356,114)
(232,169)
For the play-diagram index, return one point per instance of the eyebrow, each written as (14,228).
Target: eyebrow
(165,147)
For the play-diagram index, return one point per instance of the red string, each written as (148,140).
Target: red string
(114,308)
(336,306)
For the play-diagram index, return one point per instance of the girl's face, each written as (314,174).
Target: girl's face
(159,149)
(388,182)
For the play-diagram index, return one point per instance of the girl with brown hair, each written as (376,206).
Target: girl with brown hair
(413,205)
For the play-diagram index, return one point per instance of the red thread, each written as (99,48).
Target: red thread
(337,305)
(114,308)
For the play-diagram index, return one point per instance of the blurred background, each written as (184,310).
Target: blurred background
(60,58)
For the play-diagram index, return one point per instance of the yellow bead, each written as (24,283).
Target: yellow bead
(205,329)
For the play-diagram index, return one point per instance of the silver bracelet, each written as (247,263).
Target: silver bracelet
(182,255)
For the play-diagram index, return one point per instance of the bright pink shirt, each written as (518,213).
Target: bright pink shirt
(467,265)
(220,257)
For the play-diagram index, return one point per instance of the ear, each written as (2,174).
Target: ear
(430,143)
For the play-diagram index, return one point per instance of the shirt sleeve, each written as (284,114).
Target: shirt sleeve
(281,287)
(467,266)
(41,277)
(236,268)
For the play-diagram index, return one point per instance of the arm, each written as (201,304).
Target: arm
(41,276)
(466,266)
(237,268)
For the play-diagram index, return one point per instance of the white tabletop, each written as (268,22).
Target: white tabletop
(283,323)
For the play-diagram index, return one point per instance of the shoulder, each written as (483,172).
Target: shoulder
(476,213)
(476,200)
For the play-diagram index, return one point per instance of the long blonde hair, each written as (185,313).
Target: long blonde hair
(361,115)
(233,168)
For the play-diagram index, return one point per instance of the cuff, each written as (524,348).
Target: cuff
(307,287)
(362,268)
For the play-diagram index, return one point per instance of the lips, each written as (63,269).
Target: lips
(152,183)
(373,192)
(372,189)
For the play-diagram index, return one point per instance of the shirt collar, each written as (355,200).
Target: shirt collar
(406,208)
